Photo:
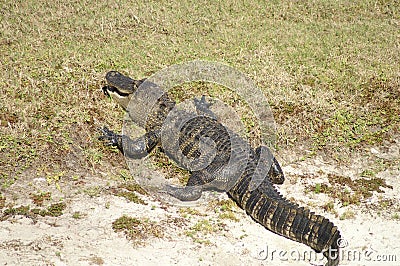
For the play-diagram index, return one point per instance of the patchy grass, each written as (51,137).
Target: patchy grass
(349,191)
(201,229)
(128,191)
(130,196)
(78,215)
(224,208)
(186,212)
(2,201)
(133,187)
(93,191)
(329,69)
(137,230)
(349,214)
(39,198)
(54,210)
(330,207)
(21,210)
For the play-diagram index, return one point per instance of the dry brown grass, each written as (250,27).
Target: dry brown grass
(330,71)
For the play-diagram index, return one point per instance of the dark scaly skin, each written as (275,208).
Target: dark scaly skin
(263,203)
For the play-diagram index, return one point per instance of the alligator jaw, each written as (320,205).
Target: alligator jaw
(110,90)
(119,87)
(120,83)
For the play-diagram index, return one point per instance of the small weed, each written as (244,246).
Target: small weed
(203,226)
(7,180)
(350,191)
(330,207)
(224,208)
(386,203)
(194,236)
(54,210)
(228,215)
(21,210)
(128,191)
(77,215)
(137,230)
(55,178)
(347,215)
(125,175)
(222,205)
(189,211)
(93,191)
(243,236)
(198,231)
(93,155)
(317,188)
(130,196)
(133,187)
(39,198)
(2,201)
(367,173)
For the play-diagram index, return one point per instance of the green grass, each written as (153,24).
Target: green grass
(54,210)
(329,69)
(360,189)
(137,230)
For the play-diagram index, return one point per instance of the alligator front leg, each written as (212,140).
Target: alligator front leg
(134,149)
(203,107)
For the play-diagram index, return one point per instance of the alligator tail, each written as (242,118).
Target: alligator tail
(298,224)
(291,221)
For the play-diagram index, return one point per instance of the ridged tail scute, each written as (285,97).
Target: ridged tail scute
(293,222)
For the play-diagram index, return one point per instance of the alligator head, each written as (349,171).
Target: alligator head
(120,87)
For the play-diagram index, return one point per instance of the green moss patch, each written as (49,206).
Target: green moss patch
(137,230)
(129,191)
(39,198)
(53,210)
(201,229)
(350,191)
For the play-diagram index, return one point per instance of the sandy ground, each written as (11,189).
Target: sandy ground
(371,237)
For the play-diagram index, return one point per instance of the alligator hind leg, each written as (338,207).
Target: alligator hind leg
(192,191)
(188,193)
(275,173)
(134,149)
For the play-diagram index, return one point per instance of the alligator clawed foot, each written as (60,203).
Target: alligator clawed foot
(109,136)
(202,102)
(203,107)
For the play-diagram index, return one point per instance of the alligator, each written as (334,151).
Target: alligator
(196,134)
